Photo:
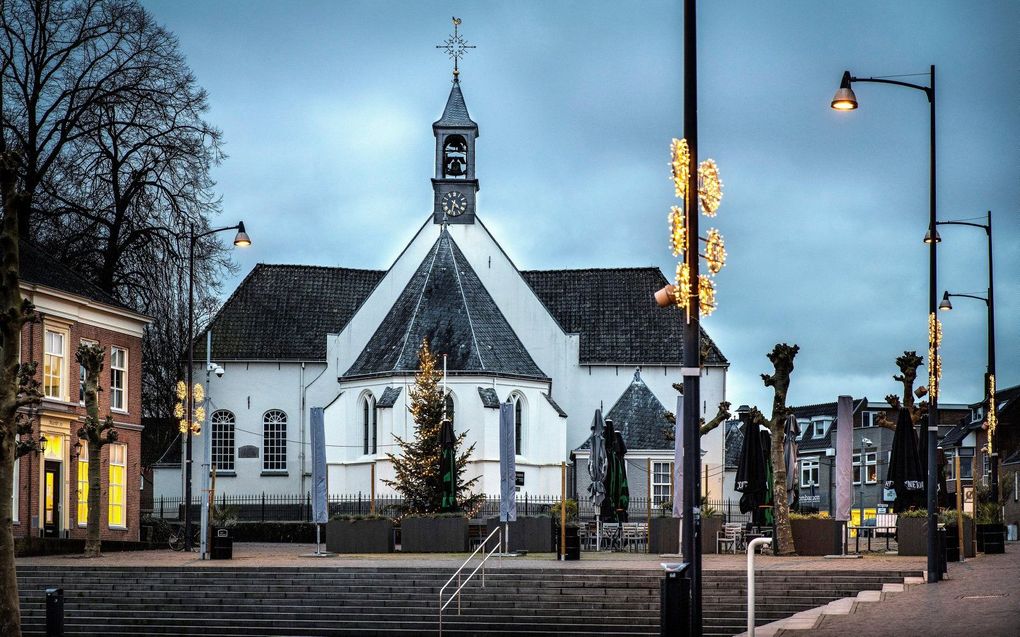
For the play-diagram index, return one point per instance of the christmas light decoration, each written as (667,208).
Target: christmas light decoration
(992,417)
(681,157)
(709,187)
(934,358)
(677,231)
(198,411)
(715,251)
(682,286)
(706,294)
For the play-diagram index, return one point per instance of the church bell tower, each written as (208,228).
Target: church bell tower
(455,185)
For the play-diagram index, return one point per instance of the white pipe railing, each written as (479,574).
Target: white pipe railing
(753,544)
(457,575)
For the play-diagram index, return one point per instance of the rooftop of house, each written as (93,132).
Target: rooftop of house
(640,418)
(37,267)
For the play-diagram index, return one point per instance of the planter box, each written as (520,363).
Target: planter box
(912,535)
(709,528)
(953,542)
(434,535)
(531,534)
(359,536)
(991,538)
(664,536)
(817,537)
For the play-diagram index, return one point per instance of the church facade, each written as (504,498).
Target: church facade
(558,344)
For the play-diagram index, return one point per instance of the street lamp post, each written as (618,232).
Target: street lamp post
(242,240)
(991,416)
(846,100)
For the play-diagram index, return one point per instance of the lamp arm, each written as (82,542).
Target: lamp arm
(964,223)
(214,231)
(971,296)
(927,89)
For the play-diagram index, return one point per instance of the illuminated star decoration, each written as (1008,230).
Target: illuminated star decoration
(455,46)
(709,196)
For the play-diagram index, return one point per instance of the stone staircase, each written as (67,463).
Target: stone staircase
(247,602)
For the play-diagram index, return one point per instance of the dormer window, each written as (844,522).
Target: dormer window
(819,428)
(455,157)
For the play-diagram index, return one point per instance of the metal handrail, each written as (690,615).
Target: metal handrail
(461,584)
(753,544)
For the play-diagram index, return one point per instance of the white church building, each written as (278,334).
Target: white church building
(559,344)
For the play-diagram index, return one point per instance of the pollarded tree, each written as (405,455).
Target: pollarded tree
(782,356)
(417,467)
(96,434)
(908,364)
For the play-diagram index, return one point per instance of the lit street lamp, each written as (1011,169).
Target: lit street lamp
(241,240)
(991,417)
(846,100)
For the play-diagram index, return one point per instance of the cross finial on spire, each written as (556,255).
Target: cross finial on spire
(455,46)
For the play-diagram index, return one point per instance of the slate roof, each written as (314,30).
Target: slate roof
(616,315)
(389,397)
(956,435)
(490,399)
(734,443)
(559,410)
(456,113)
(809,442)
(285,311)
(446,302)
(39,268)
(639,417)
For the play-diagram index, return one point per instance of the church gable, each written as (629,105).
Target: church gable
(446,302)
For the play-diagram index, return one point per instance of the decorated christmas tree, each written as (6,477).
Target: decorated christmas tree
(419,466)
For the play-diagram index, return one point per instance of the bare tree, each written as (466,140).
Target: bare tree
(781,356)
(97,434)
(104,159)
(908,364)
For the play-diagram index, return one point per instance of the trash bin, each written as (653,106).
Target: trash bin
(222,544)
(674,601)
(54,612)
(572,550)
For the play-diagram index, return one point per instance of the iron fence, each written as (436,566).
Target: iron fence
(270,507)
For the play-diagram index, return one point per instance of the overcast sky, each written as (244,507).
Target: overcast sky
(326,109)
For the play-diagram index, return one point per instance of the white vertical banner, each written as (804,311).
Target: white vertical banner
(678,459)
(844,457)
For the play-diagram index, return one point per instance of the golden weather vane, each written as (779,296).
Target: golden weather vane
(455,46)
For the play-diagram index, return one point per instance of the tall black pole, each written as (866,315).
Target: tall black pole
(691,334)
(990,408)
(189,416)
(934,574)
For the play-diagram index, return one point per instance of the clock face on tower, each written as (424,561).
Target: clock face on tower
(454,203)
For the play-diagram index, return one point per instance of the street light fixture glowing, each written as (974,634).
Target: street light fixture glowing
(241,240)
(945,305)
(927,236)
(844,99)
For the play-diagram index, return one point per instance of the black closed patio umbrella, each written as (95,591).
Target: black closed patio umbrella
(906,472)
(617,498)
(448,466)
(752,472)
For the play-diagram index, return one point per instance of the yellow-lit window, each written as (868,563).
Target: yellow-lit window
(54,361)
(118,483)
(83,486)
(54,449)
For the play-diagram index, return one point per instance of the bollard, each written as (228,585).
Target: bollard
(54,612)
(675,601)
(753,544)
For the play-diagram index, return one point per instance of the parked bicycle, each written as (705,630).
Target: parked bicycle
(177,538)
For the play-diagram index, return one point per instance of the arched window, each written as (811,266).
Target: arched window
(455,157)
(223,440)
(274,441)
(369,424)
(520,415)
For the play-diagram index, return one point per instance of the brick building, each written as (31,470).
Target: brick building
(51,484)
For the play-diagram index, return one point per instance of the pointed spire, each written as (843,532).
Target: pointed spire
(456,112)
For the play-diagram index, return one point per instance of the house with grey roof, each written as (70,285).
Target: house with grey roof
(557,344)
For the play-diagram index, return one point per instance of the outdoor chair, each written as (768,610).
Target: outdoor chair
(885,524)
(729,536)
